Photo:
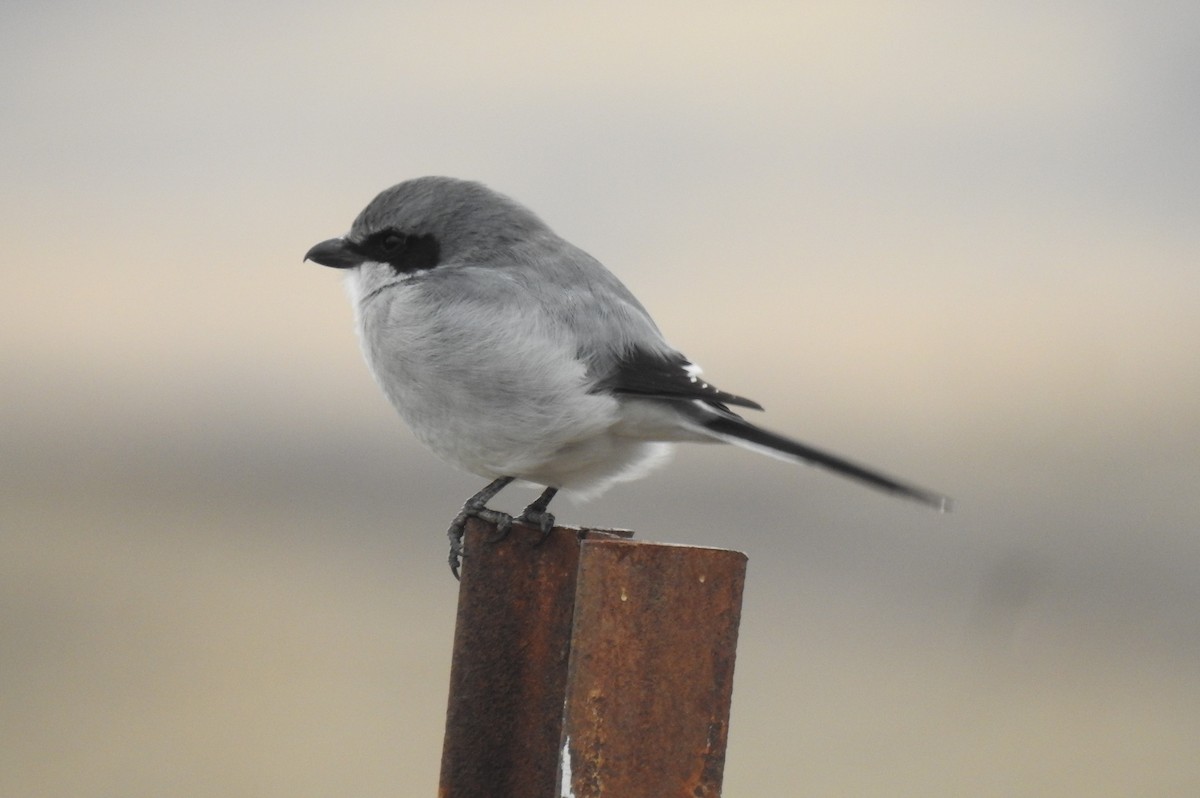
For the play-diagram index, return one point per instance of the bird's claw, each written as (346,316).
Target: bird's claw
(540,520)
(535,516)
(502,521)
(476,507)
(455,533)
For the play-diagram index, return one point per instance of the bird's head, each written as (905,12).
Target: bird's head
(427,223)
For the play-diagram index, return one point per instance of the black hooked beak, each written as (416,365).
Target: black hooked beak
(336,253)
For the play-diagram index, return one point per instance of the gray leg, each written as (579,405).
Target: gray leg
(475,507)
(535,514)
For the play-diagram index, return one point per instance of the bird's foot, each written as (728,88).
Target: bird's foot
(502,521)
(536,515)
(476,507)
(540,520)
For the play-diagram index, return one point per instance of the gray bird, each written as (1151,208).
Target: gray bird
(515,355)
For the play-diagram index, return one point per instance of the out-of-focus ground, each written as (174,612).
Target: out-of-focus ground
(954,241)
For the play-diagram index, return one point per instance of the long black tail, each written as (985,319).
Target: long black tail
(736,430)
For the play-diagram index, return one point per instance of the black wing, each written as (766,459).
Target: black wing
(665,375)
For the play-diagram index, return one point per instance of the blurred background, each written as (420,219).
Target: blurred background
(956,241)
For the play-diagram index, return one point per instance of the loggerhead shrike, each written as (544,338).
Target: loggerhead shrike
(515,355)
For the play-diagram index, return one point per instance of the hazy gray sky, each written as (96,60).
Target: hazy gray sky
(957,241)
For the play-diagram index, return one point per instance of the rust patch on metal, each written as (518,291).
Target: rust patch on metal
(651,669)
(509,667)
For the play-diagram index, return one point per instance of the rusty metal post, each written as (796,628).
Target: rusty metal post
(590,666)
(651,671)
(509,668)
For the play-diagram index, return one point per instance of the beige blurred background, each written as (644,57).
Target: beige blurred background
(957,241)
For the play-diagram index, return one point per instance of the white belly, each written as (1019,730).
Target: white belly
(492,398)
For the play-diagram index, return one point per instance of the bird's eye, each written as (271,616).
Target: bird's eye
(391,243)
